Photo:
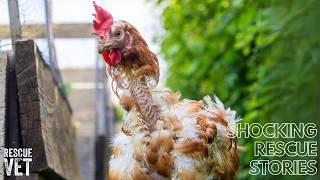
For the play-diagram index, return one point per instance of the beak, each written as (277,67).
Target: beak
(102,47)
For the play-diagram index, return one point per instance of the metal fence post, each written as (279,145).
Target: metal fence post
(103,124)
(15,25)
(51,47)
(100,129)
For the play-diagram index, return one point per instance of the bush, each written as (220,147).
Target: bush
(260,57)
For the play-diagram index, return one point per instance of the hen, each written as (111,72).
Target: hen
(163,137)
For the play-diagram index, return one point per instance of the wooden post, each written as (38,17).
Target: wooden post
(12,116)
(9,121)
(12,137)
(12,125)
(15,25)
(45,116)
(65,30)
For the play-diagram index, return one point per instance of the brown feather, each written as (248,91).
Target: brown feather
(114,175)
(194,106)
(126,131)
(137,174)
(190,175)
(187,175)
(164,165)
(140,55)
(173,123)
(202,122)
(126,102)
(116,151)
(158,146)
(193,148)
(172,98)
(211,134)
(152,156)
(218,118)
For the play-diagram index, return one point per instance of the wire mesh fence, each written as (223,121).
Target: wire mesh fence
(29,19)
(32,18)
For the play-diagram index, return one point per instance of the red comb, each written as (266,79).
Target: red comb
(102,22)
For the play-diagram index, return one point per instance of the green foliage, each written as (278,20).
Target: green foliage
(118,113)
(260,57)
(67,89)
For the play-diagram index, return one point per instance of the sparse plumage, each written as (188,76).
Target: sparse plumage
(190,141)
(163,136)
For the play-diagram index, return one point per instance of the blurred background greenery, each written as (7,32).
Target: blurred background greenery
(262,58)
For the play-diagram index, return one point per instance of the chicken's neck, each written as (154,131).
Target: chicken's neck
(144,103)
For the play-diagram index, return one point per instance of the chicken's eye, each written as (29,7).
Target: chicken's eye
(118,34)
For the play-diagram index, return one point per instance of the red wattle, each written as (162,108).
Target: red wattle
(115,56)
(112,58)
(106,58)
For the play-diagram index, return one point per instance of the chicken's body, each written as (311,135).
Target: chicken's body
(163,137)
(189,141)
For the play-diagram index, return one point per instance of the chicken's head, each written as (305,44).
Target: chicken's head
(121,45)
(116,43)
